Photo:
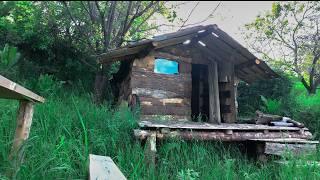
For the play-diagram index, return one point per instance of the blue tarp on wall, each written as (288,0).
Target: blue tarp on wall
(164,66)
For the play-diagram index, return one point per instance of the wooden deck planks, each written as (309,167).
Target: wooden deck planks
(206,126)
(287,140)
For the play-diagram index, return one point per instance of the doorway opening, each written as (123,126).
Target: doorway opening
(200,93)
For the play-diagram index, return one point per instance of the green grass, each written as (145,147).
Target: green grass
(68,127)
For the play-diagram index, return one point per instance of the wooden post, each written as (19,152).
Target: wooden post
(24,122)
(151,149)
(227,91)
(214,102)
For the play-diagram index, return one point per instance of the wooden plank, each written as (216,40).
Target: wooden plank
(24,121)
(12,90)
(166,110)
(214,102)
(141,72)
(151,149)
(102,167)
(146,81)
(156,93)
(181,89)
(119,53)
(146,63)
(176,102)
(159,54)
(287,140)
(209,126)
(219,135)
(296,149)
(167,117)
(227,90)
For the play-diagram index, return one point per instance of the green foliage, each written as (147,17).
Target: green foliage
(47,85)
(68,126)
(287,37)
(189,174)
(9,56)
(276,91)
(271,106)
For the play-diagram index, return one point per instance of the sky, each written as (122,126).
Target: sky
(230,16)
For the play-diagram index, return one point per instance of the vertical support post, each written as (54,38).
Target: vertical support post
(214,101)
(24,121)
(227,90)
(151,149)
(260,149)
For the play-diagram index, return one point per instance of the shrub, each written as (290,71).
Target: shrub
(47,85)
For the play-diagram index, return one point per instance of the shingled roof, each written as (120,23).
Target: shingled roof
(211,41)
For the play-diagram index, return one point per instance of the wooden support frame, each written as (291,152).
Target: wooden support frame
(24,121)
(214,101)
(151,149)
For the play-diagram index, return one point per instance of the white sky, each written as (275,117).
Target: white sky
(230,15)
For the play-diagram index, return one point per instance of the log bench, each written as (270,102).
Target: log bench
(267,138)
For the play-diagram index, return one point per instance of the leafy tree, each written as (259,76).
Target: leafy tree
(63,37)
(289,36)
(107,25)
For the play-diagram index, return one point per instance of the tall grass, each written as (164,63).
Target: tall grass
(68,126)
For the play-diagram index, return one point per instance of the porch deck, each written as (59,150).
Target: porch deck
(221,132)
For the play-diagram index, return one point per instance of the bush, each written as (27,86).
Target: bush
(47,85)
(249,98)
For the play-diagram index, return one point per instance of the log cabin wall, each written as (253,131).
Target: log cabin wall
(162,95)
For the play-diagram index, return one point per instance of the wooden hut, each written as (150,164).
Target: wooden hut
(209,63)
(205,65)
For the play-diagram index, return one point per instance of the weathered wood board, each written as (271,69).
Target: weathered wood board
(162,94)
(12,90)
(24,122)
(209,126)
(103,168)
(220,135)
(297,149)
(287,141)
(214,100)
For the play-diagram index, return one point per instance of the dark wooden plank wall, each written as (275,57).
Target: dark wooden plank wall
(162,94)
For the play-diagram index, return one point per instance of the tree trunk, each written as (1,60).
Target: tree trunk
(100,85)
(312,89)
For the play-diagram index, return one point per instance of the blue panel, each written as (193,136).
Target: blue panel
(164,66)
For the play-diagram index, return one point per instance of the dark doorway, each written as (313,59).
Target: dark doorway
(200,93)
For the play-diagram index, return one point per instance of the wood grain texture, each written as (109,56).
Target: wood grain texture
(166,117)
(24,122)
(176,102)
(296,149)
(217,135)
(155,93)
(12,90)
(287,141)
(166,110)
(210,126)
(214,101)
(102,167)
